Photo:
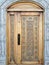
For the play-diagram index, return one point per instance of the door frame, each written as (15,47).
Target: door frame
(10,9)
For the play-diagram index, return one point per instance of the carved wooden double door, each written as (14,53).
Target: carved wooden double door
(25,41)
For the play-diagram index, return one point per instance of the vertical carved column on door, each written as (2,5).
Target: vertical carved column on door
(11,52)
(12,37)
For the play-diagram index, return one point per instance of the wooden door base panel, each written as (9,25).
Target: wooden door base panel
(12,64)
(25,64)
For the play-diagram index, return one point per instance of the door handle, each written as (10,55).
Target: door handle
(18,39)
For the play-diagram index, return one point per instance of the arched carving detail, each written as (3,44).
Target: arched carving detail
(25,6)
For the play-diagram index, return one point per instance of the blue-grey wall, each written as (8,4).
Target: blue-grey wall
(3,5)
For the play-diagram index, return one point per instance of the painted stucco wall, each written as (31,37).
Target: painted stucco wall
(3,5)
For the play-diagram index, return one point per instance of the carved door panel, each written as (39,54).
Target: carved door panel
(25,38)
(31,37)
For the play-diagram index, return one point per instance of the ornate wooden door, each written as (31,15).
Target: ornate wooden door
(25,38)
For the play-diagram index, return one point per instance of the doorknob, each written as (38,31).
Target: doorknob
(18,39)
